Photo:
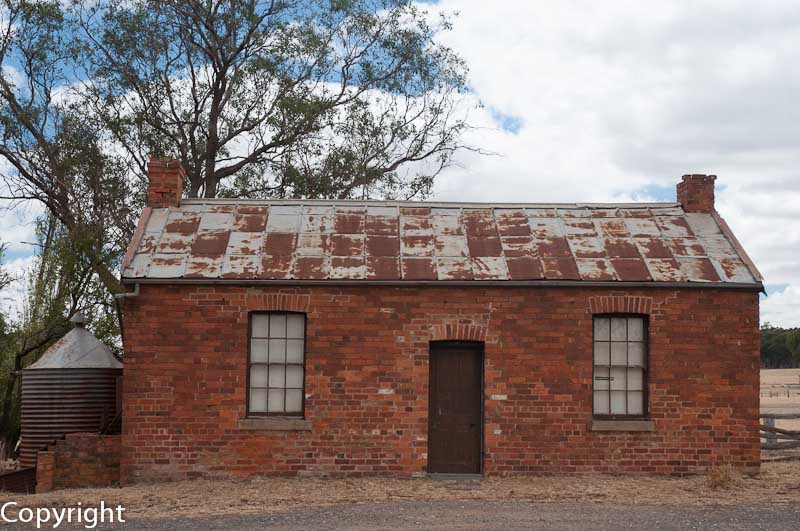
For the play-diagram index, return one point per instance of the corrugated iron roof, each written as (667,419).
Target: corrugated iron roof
(406,241)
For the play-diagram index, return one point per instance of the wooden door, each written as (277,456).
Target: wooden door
(455,421)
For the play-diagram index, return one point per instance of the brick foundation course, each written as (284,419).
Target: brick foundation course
(79,460)
(367,355)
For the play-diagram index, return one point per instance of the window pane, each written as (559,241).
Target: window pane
(636,355)
(294,400)
(601,402)
(619,329)
(618,378)
(601,326)
(294,351)
(258,400)
(636,403)
(258,350)
(601,352)
(617,402)
(260,325)
(295,326)
(635,379)
(619,353)
(277,375)
(294,376)
(635,329)
(277,350)
(258,376)
(275,401)
(601,378)
(277,325)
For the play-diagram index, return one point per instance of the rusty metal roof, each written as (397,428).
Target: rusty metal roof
(204,240)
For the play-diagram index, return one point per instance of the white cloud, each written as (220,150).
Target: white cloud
(617,96)
(12,297)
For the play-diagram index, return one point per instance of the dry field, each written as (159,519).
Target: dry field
(780,393)
(779,483)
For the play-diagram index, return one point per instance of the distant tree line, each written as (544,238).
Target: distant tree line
(780,347)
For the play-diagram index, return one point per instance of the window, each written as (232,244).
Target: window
(620,366)
(276,364)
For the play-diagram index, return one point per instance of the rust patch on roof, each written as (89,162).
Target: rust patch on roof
(484,246)
(453,268)
(383,268)
(418,268)
(517,246)
(167,266)
(204,266)
(416,226)
(348,223)
(378,245)
(451,245)
(182,222)
(653,248)
(215,221)
(619,248)
(351,267)
(686,247)
(245,243)
(579,228)
(211,242)
(416,245)
(347,244)
(674,226)
(175,243)
(560,268)
(275,267)
(241,266)
(698,269)
(554,248)
(631,269)
(312,244)
(546,228)
(595,269)
(447,225)
(614,228)
(664,269)
(280,243)
(479,223)
(639,227)
(524,268)
(635,212)
(310,267)
(317,222)
(250,221)
(415,211)
(513,224)
(489,268)
(587,247)
(735,270)
(605,213)
(385,225)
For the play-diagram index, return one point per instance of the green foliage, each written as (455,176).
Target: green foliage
(780,347)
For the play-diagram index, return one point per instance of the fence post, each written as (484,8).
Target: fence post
(771,437)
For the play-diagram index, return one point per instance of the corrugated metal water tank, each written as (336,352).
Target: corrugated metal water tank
(72,388)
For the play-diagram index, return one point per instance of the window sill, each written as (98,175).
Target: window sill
(274,424)
(621,425)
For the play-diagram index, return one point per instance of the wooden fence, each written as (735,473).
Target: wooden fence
(778,438)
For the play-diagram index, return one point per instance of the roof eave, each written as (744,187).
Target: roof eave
(755,286)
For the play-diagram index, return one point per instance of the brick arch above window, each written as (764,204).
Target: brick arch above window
(621,304)
(279,302)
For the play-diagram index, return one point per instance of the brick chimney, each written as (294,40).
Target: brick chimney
(696,193)
(166,183)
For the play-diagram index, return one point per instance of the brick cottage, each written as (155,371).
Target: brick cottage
(301,337)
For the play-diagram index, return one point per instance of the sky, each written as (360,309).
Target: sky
(585,101)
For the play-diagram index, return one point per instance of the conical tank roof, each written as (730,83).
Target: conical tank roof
(79,349)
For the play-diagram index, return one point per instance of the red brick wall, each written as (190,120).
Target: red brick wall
(185,377)
(79,460)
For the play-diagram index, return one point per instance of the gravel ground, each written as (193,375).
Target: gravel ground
(483,515)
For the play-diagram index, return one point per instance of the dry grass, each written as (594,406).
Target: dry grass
(779,483)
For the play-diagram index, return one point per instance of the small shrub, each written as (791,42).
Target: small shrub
(723,477)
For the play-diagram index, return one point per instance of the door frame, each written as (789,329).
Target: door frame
(479,348)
